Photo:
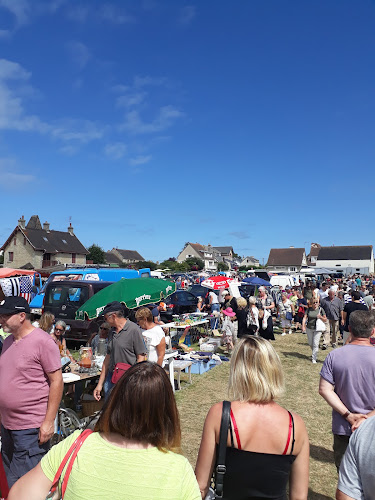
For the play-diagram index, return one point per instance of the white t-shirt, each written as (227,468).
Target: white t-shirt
(323,294)
(214,298)
(152,338)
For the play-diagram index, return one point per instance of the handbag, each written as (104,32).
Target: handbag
(119,371)
(69,457)
(288,316)
(220,469)
(320,325)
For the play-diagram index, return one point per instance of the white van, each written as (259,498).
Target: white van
(282,280)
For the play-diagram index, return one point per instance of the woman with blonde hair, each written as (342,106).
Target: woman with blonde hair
(242,313)
(267,445)
(46,322)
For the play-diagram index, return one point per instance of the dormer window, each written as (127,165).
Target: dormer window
(64,241)
(45,239)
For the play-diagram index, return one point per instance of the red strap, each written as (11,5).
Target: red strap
(71,453)
(289,434)
(85,434)
(235,428)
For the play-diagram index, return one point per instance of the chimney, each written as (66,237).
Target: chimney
(70,229)
(22,222)
(46,226)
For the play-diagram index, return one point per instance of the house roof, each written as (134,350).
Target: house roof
(363,252)
(251,258)
(50,241)
(225,250)
(315,249)
(130,254)
(285,257)
(111,258)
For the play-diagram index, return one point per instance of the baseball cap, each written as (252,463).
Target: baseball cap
(112,307)
(14,305)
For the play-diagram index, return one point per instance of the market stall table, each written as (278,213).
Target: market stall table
(192,327)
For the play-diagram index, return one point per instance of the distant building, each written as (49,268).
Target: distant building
(287,260)
(125,256)
(249,262)
(32,246)
(210,255)
(313,255)
(348,259)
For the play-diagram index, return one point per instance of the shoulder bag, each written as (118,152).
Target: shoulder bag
(119,371)
(67,462)
(220,468)
(320,325)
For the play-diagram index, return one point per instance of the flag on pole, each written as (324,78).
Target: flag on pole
(26,285)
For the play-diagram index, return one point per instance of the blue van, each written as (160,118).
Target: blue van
(86,274)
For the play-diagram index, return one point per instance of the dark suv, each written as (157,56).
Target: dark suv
(64,298)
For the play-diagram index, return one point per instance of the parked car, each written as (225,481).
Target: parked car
(180,302)
(64,298)
(200,291)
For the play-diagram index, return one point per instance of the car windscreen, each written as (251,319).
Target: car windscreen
(59,295)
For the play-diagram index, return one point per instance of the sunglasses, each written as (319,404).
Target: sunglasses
(59,329)
(103,328)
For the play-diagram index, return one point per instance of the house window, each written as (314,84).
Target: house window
(74,258)
(24,240)
(293,269)
(10,256)
(64,241)
(45,239)
(15,241)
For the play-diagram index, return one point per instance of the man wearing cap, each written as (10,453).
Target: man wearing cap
(31,387)
(126,346)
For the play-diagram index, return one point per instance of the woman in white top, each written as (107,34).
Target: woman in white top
(286,311)
(253,316)
(153,335)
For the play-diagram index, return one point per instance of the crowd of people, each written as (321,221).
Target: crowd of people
(138,434)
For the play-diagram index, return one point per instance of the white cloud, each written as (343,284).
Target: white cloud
(134,124)
(116,150)
(79,53)
(20,9)
(130,100)
(10,179)
(69,150)
(139,160)
(187,14)
(80,131)
(143,81)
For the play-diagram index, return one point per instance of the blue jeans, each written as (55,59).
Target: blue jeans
(214,321)
(21,452)
(108,386)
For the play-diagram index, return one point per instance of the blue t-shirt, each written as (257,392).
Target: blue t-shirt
(351,369)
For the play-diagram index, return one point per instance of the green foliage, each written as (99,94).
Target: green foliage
(145,263)
(247,268)
(222,266)
(96,254)
(195,263)
(175,266)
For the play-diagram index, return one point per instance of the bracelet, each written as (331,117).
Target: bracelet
(346,414)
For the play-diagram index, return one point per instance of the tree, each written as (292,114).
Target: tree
(194,263)
(222,266)
(96,254)
(145,263)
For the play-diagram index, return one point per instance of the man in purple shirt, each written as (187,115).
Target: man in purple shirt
(31,387)
(346,382)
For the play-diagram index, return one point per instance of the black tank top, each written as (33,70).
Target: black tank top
(255,476)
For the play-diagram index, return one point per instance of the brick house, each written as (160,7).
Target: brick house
(32,246)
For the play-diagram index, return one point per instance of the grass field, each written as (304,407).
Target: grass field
(301,396)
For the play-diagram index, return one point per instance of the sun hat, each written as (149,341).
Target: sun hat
(229,312)
(14,305)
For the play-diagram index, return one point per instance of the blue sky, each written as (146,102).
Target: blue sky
(151,123)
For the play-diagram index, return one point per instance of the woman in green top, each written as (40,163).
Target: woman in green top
(132,454)
(313,312)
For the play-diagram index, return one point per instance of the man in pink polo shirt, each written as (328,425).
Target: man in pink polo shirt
(31,387)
